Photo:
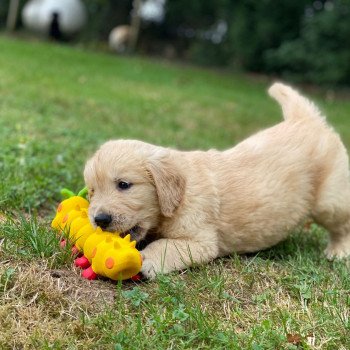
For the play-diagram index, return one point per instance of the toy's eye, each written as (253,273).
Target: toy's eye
(123,185)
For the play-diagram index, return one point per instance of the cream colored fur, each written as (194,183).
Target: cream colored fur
(203,205)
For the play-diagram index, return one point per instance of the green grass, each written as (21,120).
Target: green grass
(57,104)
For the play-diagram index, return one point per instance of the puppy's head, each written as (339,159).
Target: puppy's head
(132,185)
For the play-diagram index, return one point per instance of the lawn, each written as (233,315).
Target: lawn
(57,104)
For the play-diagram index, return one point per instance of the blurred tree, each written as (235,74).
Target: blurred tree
(8,19)
(135,24)
(12,15)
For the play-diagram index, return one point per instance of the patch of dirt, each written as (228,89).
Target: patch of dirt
(96,293)
(39,303)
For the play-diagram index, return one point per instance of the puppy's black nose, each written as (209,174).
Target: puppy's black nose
(103,220)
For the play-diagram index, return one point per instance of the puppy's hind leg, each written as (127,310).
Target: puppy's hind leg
(332,211)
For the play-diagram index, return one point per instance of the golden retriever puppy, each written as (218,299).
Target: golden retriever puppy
(202,205)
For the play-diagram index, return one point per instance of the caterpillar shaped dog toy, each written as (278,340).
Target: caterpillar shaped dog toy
(104,253)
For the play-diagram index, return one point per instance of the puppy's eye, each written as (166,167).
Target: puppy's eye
(123,185)
(91,193)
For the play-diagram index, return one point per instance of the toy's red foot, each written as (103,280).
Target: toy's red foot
(82,262)
(75,250)
(89,274)
(63,243)
(136,278)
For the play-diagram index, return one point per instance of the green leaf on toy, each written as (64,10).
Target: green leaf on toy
(83,193)
(67,193)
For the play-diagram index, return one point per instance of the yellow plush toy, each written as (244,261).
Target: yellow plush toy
(105,253)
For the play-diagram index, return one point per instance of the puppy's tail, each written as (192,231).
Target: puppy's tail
(294,106)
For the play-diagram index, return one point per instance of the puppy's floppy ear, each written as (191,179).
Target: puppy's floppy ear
(169,182)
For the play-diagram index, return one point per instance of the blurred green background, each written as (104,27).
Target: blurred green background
(302,40)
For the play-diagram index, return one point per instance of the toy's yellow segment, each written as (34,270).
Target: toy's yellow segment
(116,258)
(78,221)
(68,220)
(127,264)
(93,241)
(82,235)
(109,254)
(72,203)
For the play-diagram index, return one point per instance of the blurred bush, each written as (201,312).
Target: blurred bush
(303,40)
(251,28)
(230,33)
(321,53)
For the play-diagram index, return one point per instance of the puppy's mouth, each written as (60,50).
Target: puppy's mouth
(134,232)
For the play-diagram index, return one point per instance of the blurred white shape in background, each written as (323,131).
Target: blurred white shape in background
(37,15)
(152,10)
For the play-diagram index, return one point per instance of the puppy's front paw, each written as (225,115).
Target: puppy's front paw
(149,269)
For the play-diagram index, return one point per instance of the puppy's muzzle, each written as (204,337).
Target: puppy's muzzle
(103,220)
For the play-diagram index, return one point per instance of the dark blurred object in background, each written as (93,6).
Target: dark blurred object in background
(55,31)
